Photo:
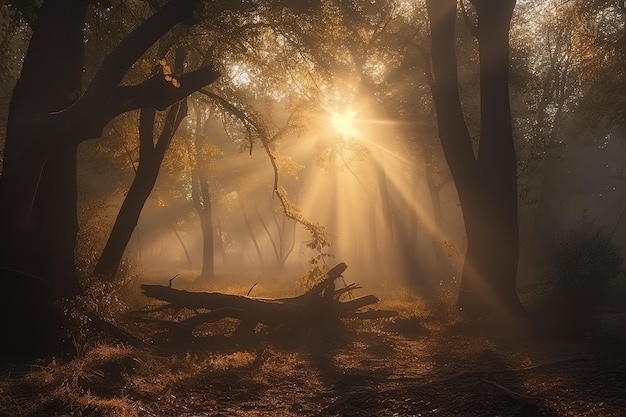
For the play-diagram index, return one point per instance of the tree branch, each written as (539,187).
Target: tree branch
(136,44)
(155,93)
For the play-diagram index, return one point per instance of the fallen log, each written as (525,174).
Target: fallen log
(317,306)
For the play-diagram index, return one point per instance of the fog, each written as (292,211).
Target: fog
(370,191)
(366,185)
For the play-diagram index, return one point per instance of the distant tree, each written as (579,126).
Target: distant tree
(600,49)
(203,154)
(546,90)
(574,67)
(487,182)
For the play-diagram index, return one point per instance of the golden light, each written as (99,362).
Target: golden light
(343,123)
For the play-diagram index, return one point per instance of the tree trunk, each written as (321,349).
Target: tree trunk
(47,120)
(204,208)
(201,194)
(150,159)
(251,232)
(126,221)
(182,245)
(220,244)
(486,184)
(56,211)
(37,186)
(444,264)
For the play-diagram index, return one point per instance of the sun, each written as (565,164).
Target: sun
(343,123)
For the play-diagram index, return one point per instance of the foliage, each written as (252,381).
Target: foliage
(601,49)
(584,262)
(320,240)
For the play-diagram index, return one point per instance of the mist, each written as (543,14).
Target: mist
(315,207)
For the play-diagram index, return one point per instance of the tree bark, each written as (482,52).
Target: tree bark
(444,262)
(317,307)
(486,183)
(150,159)
(204,207)
(38,189)
(201,196)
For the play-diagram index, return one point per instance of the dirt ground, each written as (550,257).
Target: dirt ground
(404,366)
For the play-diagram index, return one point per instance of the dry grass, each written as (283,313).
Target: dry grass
(414,364)
(88,385)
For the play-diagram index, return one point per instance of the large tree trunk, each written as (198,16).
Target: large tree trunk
(48,118)
(38,191)
(486,185)
(56,213)
(444,262)
(497,164)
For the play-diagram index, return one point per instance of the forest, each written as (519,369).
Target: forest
(312,208)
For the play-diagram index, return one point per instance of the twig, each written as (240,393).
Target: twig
(172,279)
(509,392)
(250,290)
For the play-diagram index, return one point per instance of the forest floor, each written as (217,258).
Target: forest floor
(410,365)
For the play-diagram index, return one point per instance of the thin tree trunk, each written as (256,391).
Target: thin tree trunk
(204,207)
(251,233)
(150,158)
(385,202)
(201,196)
(208,252)
(220,244)
(277,253)
(182,245)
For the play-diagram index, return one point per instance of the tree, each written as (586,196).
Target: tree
(601,49)
(486,183)
(151,155)
(570,47)
(203,154)
(50,114)
(553,88)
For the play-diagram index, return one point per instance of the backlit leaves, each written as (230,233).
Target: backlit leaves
(167,72)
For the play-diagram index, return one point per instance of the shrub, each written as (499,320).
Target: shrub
(584,262)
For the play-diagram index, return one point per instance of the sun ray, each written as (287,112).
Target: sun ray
(344,123)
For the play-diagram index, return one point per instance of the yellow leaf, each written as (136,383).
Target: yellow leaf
(164,67)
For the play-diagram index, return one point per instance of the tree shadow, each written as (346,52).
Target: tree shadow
(467,375)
